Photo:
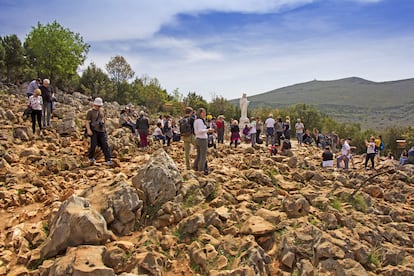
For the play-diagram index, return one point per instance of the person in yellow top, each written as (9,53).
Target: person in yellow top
(379,145)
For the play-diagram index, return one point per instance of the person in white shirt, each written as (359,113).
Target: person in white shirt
(253,131)
(158,135)
(345,152)
(35,103)
(270,130)
(370,152)
(299,127)
(201,131)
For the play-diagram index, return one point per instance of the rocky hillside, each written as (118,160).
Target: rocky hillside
(252,215)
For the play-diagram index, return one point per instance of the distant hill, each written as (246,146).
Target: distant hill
(373,104)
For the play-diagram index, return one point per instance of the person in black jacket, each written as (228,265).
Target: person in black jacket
(142,128)
(47,103)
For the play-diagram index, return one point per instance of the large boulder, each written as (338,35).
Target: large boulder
(67,127)
(82,260)
(119,204)
(256,225)
(75,223)
(296,206)
(159,179)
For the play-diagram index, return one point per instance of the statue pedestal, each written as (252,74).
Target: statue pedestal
(243,122)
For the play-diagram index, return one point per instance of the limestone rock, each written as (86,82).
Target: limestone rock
(152,262)
(288,259)
(255,257)
(67,127)
(256,225)
(82,260)
(74,224)
(204,257)
(245,271)
(273,217)
(259,177)
(191,224)
(22,133)
(159,179)
(118,202)
(11,116)
(306,268)
(292,162)
(114,257)
(296,206)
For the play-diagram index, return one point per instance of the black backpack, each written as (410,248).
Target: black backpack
(185,126)
(166,127)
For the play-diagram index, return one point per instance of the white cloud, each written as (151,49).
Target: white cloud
(128,19)
(233,64)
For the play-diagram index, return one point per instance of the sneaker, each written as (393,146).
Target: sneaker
(110,163)
(92,161)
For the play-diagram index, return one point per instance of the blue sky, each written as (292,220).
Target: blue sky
(230,47)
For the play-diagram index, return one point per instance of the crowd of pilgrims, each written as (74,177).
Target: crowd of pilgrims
(199,130)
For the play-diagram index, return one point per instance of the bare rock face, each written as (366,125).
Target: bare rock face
(153,262)
(74,224)
(159,179)
(11,116)
(22,133)
(296,206)
(82,260)
(256,225)
(67,127)
(119,204)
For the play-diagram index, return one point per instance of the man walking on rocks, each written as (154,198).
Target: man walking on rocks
(95,127)
(187,133)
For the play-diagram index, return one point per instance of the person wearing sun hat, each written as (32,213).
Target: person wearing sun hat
(300,128)
(95,127)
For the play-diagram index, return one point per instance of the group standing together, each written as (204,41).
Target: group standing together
(41,103)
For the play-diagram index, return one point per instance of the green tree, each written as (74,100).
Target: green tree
(390,136)
(221,106)
(13,57)
(308,114)
(195,101)
(55,52)
(2,56)
(95,82)
(175,100)
(148,92)
(120,72)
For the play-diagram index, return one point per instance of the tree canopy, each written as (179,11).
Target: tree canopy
(55,52)
(195,101)
(13,57)
(95,82)
(120,72)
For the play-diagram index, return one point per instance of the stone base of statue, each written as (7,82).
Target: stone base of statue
(243,121)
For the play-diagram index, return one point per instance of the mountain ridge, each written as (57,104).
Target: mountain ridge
(347,99)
